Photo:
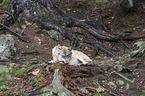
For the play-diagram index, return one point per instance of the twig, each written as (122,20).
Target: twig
(2,12)
(96,45)
(121,41)
(15,33)
(31,53)
(12,61)
(131,81)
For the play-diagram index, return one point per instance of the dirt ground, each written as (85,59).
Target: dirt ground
(40,45)
(79,9)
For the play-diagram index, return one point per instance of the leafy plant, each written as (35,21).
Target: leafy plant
(139,52)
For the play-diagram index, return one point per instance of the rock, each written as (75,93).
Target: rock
(84,90)
(118,67)
(23,26)
(127,86)
(120,82)
(100,89)
(7,48)
(111,84)
(55,35)
(4,73)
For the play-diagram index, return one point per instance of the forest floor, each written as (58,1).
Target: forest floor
(41,46)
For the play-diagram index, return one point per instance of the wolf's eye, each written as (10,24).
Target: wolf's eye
(63,55)
(69,55)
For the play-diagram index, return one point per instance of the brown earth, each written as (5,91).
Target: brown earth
(42,43)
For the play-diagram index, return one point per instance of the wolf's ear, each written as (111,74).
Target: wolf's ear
(59,47)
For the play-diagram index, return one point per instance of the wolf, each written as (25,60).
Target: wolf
(69,56)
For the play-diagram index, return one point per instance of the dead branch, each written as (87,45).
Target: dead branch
(131,81)
(96,45)
(13,32)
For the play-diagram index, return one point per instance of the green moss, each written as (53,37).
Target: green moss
(3,87)
(12,52)
(101,1)
(79,79)
(5,3)
(103,77)
(62,94)
(38,79)
(20,71)
(133,19)
(4,94)
(20,92)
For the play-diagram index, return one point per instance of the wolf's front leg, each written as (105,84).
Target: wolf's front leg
(83,61)
(54,60)
(50,61)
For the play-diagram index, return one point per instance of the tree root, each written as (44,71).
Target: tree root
(47,16)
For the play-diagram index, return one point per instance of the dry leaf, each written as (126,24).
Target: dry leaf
(35,72)
(16,78)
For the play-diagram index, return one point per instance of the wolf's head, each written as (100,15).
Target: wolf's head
(64,54)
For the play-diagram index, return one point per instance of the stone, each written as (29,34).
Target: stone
(7,46)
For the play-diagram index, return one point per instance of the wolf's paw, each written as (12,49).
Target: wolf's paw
(50,61)
(85,62)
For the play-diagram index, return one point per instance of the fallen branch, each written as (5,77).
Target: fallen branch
(96,45)
(73,21)
(14,33)
(131,81)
